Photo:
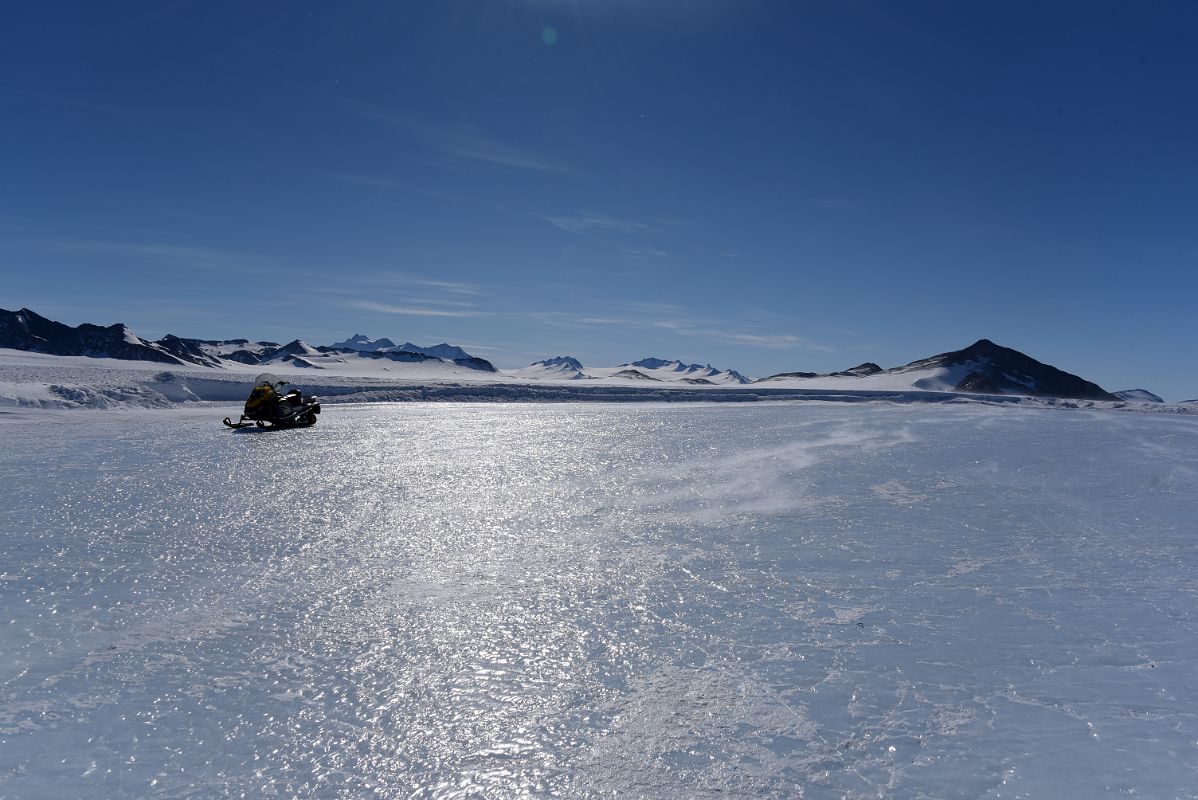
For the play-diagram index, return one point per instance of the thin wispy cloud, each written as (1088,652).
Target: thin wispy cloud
(651,316)
(781,340)
(206,258)
(437,301)
(585,223)
(413,311)
(453,286)
(355,292)
(462,145)
(777,341)
(409,279)
(473,148)
(645,252)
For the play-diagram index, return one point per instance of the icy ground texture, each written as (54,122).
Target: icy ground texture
(436,601)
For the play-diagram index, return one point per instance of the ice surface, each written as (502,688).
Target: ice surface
(475,600)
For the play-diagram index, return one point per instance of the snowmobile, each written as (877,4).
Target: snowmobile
(268,407)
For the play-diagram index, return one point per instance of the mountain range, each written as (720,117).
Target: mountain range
(647,369)
(982,368)
(365,344)
(27,330)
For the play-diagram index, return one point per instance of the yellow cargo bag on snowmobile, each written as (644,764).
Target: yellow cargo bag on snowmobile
(261,401)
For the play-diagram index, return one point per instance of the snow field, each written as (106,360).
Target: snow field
(463,600)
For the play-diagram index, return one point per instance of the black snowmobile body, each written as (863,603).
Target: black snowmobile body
(268,407)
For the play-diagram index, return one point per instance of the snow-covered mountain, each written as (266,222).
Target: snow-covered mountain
(982,368)
(1138,396)
(364,343)
(242,351)
(565,362)
(28,331)
(557,368)
(674,370)
(445,351)
(671,369)
(647,369)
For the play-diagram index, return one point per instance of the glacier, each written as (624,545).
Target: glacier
(452,600)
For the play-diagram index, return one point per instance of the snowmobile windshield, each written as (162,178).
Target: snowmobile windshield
(267,377)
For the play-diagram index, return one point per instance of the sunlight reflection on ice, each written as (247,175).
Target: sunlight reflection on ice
(523,601)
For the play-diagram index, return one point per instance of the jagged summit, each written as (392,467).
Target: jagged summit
(658,363)
(443,350)
(26,330)
(29,331)
(405,352)
(559,361)
(663,367)
(556,368)
(364,343)
(673,364)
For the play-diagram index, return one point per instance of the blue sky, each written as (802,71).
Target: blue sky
(768,186)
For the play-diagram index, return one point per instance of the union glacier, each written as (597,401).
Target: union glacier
(478,600)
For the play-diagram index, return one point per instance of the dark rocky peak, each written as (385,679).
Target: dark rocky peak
(559,361)
(653,363)
(296,347)
(190,350)
(868,368)
(995,369)
(364,343)
(781,375)
(26,330)
(975,383)
(861,370)
(30,326)
(983,347)
(634,373)
(474,362)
